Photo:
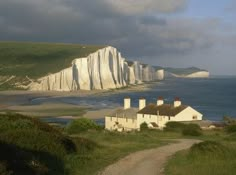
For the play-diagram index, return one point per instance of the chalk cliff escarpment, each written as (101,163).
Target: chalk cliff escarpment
(199,74)
(104,69)
(160,74)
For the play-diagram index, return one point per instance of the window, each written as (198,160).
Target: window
(111,119)
(126,119)
(194,117)
(169,117)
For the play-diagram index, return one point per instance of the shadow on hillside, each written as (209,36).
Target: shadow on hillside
(18,161)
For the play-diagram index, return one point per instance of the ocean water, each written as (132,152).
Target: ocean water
(213,97)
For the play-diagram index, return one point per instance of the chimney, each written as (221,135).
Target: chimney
(160,101)
(142,103)
(127,103)
(177,102)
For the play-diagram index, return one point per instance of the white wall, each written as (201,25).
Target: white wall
(127,123)
(159,120)
(189,114)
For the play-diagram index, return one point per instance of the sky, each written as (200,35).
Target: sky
(173,33)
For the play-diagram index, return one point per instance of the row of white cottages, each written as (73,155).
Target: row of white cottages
(155,115)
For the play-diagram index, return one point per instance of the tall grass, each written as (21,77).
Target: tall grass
(206,158)
(28,146)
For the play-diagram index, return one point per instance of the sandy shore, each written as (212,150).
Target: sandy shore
(20,101)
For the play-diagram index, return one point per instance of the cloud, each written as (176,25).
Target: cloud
(131,7)
(146,30)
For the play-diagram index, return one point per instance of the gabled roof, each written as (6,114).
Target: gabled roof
(127,113)
(163,110)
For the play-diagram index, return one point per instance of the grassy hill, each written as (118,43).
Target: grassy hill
(28,146)
(35,60)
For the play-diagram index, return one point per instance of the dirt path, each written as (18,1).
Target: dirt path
(147,162)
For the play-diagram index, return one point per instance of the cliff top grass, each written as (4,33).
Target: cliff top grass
(39,59)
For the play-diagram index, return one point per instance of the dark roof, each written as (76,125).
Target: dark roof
(164,110)
(127,113)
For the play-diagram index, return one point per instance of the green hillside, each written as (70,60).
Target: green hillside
(28,146)
(35,60)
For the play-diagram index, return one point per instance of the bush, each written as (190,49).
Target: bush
(231,128)
(174,126)
(3,169)
(29,146)
(84,145)
(192,130)
(81,125)
(206,147)
(144,126)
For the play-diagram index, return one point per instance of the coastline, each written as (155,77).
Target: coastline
(20,102)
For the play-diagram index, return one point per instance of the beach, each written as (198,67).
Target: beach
(21,102)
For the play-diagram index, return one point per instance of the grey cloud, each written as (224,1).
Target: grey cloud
(131,7)
(134,26)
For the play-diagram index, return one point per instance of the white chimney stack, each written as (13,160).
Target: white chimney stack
(160,101)
(177,102)
(142,103)
(127,103)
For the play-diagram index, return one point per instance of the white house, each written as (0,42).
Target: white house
(155,115)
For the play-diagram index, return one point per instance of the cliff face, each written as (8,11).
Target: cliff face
(104,69)
(200,74)
(160,74)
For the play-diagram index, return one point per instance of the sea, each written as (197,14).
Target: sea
(214,97)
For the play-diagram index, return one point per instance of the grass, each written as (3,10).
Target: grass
(216,155)
(37,59)
(43,149)
(28,146)
(113,146)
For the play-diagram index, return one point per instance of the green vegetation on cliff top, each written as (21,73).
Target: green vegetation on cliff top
(39,59)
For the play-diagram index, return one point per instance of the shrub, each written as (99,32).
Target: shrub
(144,126)
(81,125)
(192,130)
(12,121)
(174,126)
(231,128)
(208,147)
(84,145)
(3,169)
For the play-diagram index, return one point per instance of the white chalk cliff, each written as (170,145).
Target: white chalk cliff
(160,74)
(199,74)
(104,69)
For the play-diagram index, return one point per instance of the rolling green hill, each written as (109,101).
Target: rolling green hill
(21,59)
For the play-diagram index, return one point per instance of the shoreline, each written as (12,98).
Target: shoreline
(21,102)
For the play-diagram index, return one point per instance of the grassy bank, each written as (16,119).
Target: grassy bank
(216,155)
